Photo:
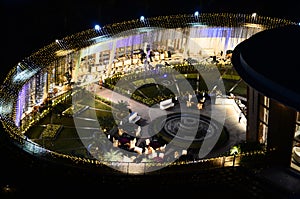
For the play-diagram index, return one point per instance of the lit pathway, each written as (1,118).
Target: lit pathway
(135,106)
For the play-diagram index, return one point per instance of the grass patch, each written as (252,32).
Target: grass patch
(154,90)
(35,132)
(239,88)
(142,82)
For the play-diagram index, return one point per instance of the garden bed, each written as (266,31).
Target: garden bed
(51,131)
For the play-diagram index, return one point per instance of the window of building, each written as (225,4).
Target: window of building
(266,101)
(263,120)
(295,161)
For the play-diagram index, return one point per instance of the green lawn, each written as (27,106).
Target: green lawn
(68,140)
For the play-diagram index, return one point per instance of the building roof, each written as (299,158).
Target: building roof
(269,62)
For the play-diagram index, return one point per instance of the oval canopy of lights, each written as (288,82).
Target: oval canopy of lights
(56,73)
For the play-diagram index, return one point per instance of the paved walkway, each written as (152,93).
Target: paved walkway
(236,129)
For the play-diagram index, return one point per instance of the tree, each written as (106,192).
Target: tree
(122,107)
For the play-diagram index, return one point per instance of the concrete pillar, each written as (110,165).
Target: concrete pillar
(252,115)
(281,130)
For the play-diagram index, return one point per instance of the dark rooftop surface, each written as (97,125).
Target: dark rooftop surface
(25,175)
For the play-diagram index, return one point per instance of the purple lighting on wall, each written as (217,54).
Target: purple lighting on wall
(21,104)
(130,41)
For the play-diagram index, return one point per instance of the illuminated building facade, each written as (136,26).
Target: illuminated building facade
(273,92)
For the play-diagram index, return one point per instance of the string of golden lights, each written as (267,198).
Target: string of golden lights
(45,56)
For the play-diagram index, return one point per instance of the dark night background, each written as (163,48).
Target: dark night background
(28,25)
